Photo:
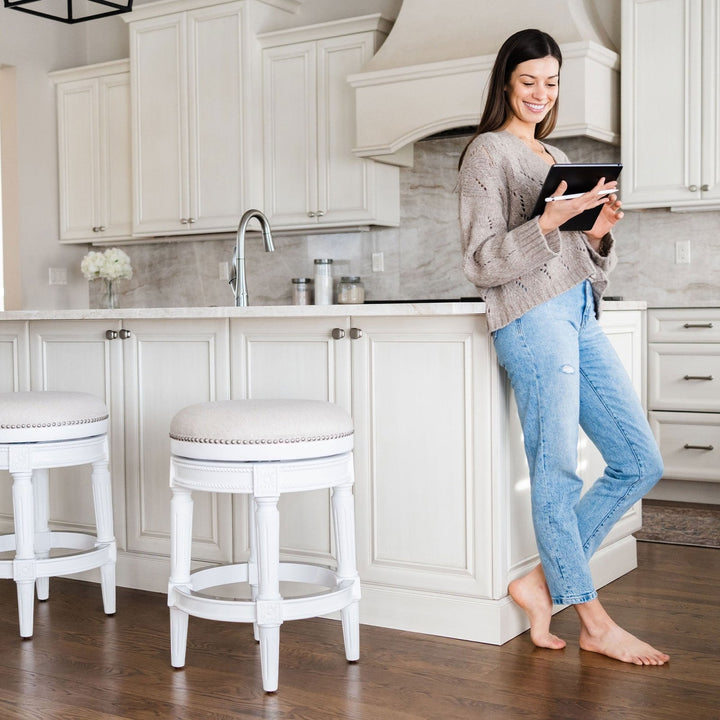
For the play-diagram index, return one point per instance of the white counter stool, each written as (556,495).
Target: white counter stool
(262,448)
(39,431)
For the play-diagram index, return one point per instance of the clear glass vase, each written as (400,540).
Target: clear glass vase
(108,300)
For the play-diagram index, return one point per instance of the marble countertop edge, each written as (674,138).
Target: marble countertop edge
(366,310)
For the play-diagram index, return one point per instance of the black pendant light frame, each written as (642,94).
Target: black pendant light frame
(115,8)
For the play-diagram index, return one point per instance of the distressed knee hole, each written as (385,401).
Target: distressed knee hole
(567,369)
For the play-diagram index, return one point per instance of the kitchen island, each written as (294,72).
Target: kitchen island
(442,488)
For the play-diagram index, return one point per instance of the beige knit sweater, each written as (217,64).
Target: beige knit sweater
(514,266)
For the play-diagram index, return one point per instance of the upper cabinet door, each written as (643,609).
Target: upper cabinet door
(343,178)
(79,158)
(290,134)
(159,129)
(115,157)
(670,95)
(94,178)
(312,176)
(216,118)
(188,121)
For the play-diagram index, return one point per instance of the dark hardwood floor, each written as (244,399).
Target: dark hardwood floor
(81,665)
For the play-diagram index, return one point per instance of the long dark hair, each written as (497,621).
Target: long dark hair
(524,45)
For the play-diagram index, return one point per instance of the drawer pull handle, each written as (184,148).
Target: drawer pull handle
(698,325)
(687,446)
(698,377)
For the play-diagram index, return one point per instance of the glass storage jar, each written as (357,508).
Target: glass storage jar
(350,290)
(323,281)
(302,291)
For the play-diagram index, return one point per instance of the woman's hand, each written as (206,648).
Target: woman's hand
(558,212)
(607,218)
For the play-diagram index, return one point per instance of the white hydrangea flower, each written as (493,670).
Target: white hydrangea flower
(113,264)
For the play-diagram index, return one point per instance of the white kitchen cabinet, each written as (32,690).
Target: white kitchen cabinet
(684,400)
(14,356)
(442,493)
(423,454)
(671,104)
(93,121)
(420,439)
(14,377)
(274,358)
(190,108)
(144,370)
(312,177)
(76,356)
(166,366)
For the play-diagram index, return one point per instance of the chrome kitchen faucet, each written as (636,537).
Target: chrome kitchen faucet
(238,282)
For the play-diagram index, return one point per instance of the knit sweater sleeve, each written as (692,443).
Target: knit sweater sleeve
(497,247)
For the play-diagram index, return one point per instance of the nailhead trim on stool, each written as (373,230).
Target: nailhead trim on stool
(262,448)
(40,431)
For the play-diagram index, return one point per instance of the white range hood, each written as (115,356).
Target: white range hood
(430,74)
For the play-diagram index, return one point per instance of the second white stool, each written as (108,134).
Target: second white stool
(262,448)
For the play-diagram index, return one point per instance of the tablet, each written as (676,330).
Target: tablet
(580,178)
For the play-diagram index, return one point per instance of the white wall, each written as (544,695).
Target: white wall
(35,46)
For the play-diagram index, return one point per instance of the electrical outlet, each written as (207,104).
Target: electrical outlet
(378,262)
(682,252)
(57,276)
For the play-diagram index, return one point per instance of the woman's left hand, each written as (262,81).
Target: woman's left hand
(611,212)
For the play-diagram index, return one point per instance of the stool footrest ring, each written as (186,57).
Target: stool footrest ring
(339,593)
(92,555)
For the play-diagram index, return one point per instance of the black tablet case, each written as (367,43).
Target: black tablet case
(580,178)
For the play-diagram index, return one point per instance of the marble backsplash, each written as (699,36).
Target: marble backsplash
(422,256)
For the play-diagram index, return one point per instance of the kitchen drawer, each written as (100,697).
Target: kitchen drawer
(700,325)
(684,377)
(689,443)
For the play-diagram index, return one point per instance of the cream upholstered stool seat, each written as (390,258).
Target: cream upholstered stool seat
(39,431)
(262,448)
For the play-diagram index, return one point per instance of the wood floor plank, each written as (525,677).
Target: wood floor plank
(81,664)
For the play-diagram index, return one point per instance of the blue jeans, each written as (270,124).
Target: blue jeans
(565,373)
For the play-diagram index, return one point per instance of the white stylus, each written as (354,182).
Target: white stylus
(576,195)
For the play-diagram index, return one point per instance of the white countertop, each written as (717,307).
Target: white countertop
(366,310)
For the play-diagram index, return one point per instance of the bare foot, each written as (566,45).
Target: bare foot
(531,593)
(600,634)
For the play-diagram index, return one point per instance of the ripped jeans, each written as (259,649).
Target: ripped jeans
(565,374)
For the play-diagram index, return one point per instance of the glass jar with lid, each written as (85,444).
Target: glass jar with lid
(350,290)
(323,281)
(302,291)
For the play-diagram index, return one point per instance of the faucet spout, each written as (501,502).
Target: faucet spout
(238,281)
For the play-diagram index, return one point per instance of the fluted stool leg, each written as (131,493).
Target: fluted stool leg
(181,513)
(102,499)
(343,507)
(269,608)
(252,560)
(42,529)
(24,563)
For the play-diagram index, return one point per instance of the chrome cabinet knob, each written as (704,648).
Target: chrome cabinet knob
(355,333)
(311,214)
(338,333)
(124,334)
(111,334)
(191,220)
(705,187)
(320,213)
(693,188)
(184,221)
